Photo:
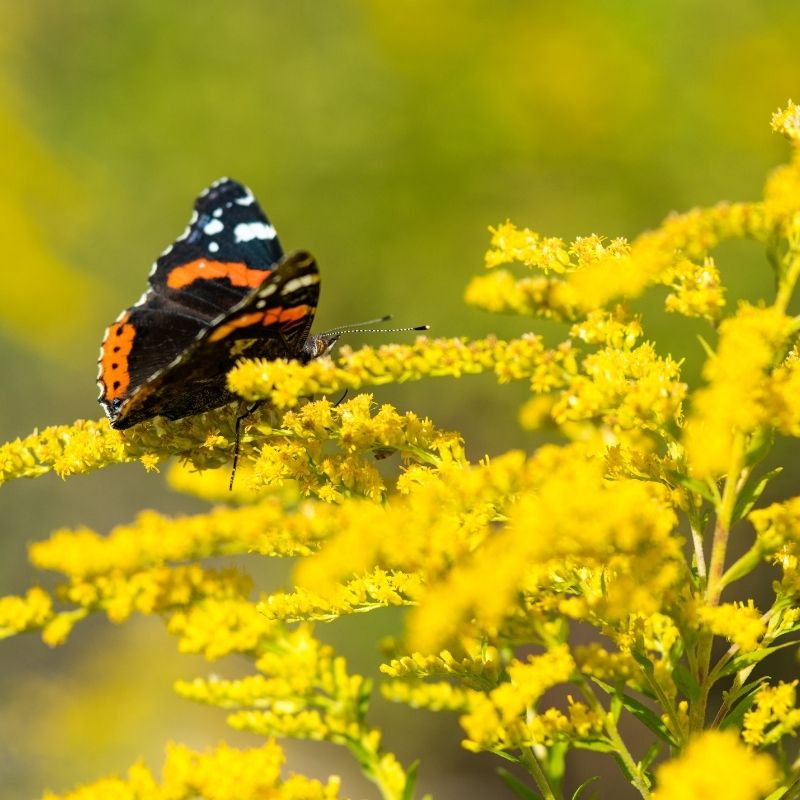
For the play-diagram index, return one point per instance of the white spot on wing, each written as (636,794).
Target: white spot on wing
(167,250)
(261,304)
(213,247)
(247,231)
(267,290)
(143,299)
(213,227)
(184,234)
(247,200)
(217,212)
(299,283)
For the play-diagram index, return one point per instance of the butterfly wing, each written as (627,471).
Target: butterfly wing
(227,249)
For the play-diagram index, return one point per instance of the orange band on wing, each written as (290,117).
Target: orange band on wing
(266,318)
(117,346)
(202,269)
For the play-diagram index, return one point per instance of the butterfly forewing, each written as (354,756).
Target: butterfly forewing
(227,250)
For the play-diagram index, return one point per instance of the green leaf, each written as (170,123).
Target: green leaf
(740,703)
(743,566)
(686,682)
(752,491)
(624,767)
(743,660)
(648,718)
(777,794)
(760,444)
(597,745)
(576,793)
(411,782)
(693,485)
(517,786)
(644,662)
(650,756)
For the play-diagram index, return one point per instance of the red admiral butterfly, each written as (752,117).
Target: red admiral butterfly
(223,291)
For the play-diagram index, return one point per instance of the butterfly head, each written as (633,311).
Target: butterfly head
(318,345)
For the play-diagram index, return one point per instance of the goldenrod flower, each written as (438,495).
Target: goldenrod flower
(716,764)
(741,624)
(735,399)
(773,714)
(225,773)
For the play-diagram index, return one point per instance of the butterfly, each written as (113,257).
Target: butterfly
(224,290)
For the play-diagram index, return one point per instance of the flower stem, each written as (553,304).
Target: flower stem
(531,763)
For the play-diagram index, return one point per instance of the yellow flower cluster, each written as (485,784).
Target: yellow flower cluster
(218,626)
(378,589)
(285,382)
(436,696)
(267,527)
(716,764)
(505,718)
(772,715)
(65,449)
(594,273)
(298,451)
(478,667)
(734,403)
(225,773)
(742,625)
(304,691)
(778,524)
(156,590)
(787,121)
(626,561)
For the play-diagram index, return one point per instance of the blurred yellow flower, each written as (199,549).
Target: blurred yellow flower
(716,764)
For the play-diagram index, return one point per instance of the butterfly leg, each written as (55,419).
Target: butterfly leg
(239,421)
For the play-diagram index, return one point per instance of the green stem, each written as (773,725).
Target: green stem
(610,725)
(531,763)
(719,549)
(787,284)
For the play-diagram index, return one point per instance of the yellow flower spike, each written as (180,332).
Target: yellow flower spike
(366,593)
(630,545)
(504,717)
(735,397)
(437,696)
(224,773)
(773,714)
(285,382)
(19,614)
(272,527)
(740,624)
(153,591)
(716,764)
(787,121)
(88,445)
(501,293)
(219,626)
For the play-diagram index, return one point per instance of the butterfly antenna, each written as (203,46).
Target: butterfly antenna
(366,323)
(362,327)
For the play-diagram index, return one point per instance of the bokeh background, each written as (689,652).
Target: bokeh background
(384,137)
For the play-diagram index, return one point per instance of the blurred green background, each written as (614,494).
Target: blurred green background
(384,137)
